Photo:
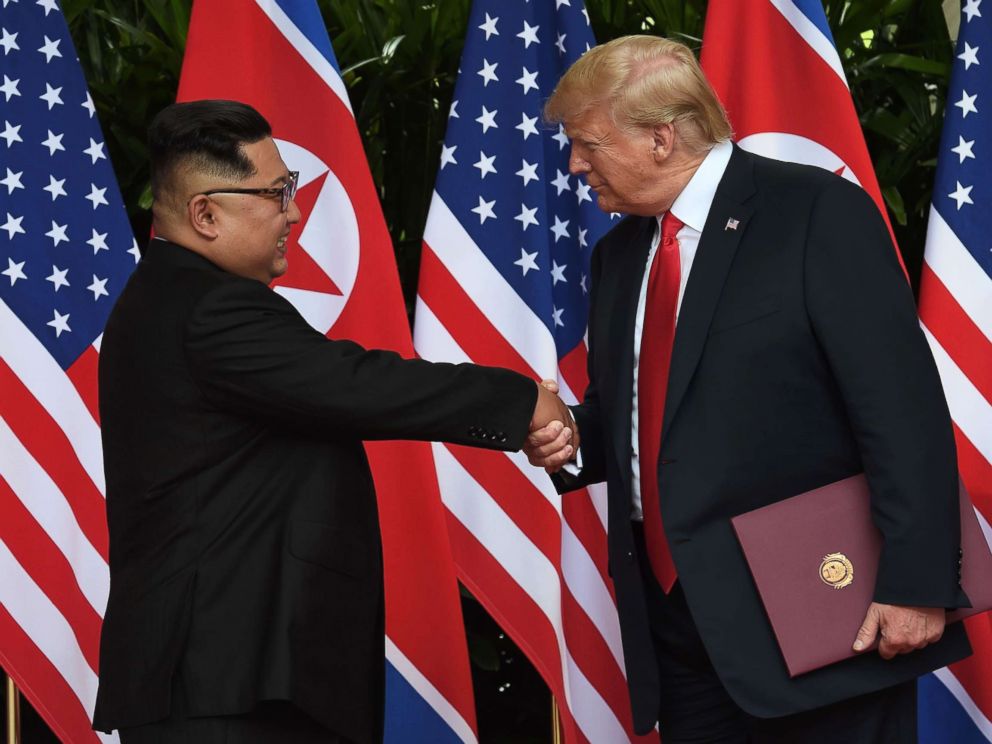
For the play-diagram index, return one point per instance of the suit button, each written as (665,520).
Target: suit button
(502,439)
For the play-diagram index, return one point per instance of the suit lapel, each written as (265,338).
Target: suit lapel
(717,246)
(629,272)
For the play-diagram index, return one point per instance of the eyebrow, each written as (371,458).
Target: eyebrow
(279,179)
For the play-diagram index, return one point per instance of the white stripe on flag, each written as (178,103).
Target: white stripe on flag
(46,627)
(964,278)
(581,575)
(964,700)
(47,381)
(497,301)
(969,409)
(530,569)
(39,494)
(324,69)
(448,713)
(812,35)
(598,496)
(432,340)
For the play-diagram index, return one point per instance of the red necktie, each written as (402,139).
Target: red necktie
(652,383)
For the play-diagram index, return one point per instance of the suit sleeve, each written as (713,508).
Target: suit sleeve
(253,354)
(588,418)
(861,309)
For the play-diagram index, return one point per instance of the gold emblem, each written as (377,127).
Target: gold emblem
(836,570)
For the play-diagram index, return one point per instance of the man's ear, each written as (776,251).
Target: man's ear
(202,217)
(664,141)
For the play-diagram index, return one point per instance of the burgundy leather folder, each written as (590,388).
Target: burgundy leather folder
(814,558)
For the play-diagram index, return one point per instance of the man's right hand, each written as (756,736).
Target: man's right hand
(553,437)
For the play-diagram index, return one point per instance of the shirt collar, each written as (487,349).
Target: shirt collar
(693,204)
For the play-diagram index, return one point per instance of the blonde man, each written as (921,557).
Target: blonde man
(752,336)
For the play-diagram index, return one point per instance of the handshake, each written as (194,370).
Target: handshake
(554,437)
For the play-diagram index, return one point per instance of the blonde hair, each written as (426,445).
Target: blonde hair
(644,81)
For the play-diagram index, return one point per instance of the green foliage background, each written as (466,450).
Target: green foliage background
(399,59)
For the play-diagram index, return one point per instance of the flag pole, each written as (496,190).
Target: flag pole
(13,698)
(555,722)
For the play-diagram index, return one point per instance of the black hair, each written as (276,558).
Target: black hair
(207,136)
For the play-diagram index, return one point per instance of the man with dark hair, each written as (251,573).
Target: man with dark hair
(246,574)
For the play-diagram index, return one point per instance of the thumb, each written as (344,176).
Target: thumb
(868,630)
(550,385)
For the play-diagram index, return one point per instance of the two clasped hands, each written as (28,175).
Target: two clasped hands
(554,440)
(554,437)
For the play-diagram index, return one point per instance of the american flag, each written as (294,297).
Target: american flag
(956,313)
(503,280)
(66,250)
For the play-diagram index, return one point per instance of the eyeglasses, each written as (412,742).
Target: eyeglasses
(286,192)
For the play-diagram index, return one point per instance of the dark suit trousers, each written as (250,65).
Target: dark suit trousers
(695,707)
(269,722)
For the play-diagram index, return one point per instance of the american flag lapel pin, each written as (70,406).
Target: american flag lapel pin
(731,224)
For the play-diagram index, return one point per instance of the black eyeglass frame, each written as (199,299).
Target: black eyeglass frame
(286,192)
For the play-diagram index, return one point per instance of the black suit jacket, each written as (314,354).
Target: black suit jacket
(798,360)
(244,542)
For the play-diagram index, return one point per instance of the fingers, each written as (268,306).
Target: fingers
(868,630)
(905,629)
(550,446)
(550,385)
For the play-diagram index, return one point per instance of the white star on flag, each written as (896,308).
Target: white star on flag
(60,323)
(490,26)
(526,261)
(16,270)
(560,229)
(527,217)
(527,81)
(54,187)
(53,142)
(51,49)
(9,88)
(967,104)
(96,196)
(527,125)
(57,278)
(487,119)
(488,72)
(58,233)
(448,155)
(529,35)
(95,150)
(964,149)
(98,287)
(558,272)
(485,164)
(52,96)
(962,195)
(485,210)
(12,181)
(528,172)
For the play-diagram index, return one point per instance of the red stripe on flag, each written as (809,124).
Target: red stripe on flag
(583,519)
(973,672)
(42,684)
(539,522)
(574,371)
(976,472)
(956,332)
(526,507)
(50,571)
(514,610)
(47,443)
(83,376)
(473,331)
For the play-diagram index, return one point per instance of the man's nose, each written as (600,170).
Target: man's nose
(576,163)
(293,213)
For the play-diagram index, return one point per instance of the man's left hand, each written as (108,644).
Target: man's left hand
(902,629)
